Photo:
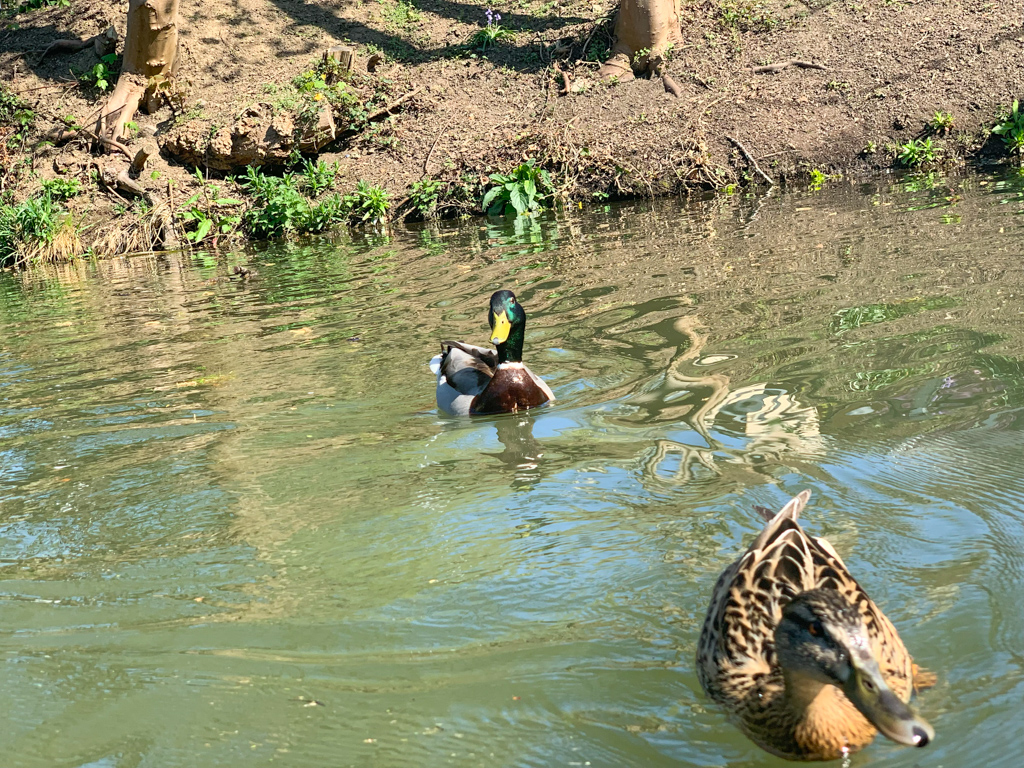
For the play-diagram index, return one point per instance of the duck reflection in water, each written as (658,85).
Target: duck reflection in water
(523,453)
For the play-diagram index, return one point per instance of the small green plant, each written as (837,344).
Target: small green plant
(34,5)
(401,13)
(319,176)
(492,34)
(916,153)
(102,73)
(746,15)
(324,84)
(15,113)
(424,195)
(526,190)
(60,190)
(941,123)
(1011,128)
(202,213)
(870,148)
(368,204)
(640,55)
(817,178)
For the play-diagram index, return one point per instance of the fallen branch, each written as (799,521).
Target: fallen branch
(386,111)
(753,163)
(773,68)
(62,135)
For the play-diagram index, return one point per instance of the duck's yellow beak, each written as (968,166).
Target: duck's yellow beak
(500,329)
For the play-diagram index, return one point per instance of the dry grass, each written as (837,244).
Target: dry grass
(137,232)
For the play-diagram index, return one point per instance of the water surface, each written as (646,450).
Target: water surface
(234,530)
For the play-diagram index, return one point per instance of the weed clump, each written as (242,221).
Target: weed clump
(296,203)
(39,229)
(746,16)
(941,123)
(526,190)
(1010,127)
(917,152)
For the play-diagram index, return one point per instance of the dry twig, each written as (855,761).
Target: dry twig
(750,159)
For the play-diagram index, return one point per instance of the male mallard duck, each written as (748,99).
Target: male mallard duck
(796,650)
(475,380)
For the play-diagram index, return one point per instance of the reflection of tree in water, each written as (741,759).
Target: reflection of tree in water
(772,421)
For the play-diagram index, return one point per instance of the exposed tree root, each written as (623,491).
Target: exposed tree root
(566,85)
(119,109)
(773,68)
(671,86)
(103,43)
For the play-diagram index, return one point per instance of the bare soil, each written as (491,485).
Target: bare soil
(887,67)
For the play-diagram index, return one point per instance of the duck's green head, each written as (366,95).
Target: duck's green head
(508,322)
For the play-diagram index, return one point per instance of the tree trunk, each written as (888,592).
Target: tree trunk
(150,59)
(645,30)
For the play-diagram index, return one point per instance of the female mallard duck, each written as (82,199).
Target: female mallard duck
(475,380)
(795,648)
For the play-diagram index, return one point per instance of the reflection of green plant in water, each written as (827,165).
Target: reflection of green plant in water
(920,182)
(917,152)
(871,314)
(1011,127)
(527,189)
(869,381)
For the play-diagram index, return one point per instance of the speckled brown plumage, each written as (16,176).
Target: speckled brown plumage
(736,659)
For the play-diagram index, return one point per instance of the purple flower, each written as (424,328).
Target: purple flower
(493,17)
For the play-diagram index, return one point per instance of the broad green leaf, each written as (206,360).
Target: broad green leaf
(492,193)
(204,229)
(519,199)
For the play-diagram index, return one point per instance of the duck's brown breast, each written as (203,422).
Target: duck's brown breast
(511,389)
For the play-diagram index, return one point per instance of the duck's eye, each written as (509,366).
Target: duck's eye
(816,629)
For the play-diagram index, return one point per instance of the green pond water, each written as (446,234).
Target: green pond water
(234,530)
